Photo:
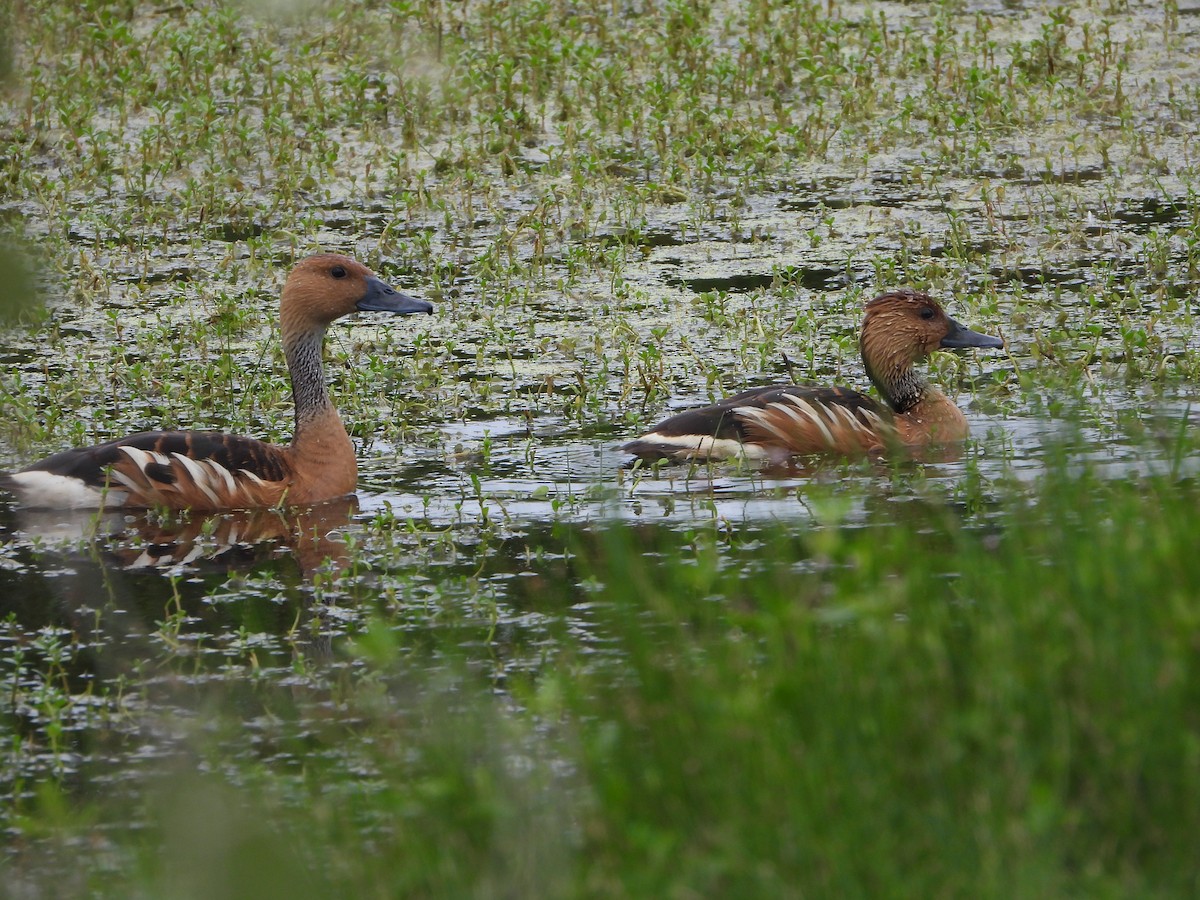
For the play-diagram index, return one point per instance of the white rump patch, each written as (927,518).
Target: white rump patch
(47,490)
(694,446)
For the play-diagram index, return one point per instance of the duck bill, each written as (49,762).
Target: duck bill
(382,297)
(960,337)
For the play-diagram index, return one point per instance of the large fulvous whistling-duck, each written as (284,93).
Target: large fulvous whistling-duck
(901,328)
(208,470)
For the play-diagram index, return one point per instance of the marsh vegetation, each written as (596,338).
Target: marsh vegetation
(516,667)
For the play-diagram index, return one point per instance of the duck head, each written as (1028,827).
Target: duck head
(327,286)
(903,327)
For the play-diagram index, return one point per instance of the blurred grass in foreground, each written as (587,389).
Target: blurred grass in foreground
(19,297)
(1007,712)
(989,710)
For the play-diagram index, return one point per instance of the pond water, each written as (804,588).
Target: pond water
(116,627)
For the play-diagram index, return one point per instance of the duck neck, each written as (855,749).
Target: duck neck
(321,451)
(901,387)
(319,429)
(311,397)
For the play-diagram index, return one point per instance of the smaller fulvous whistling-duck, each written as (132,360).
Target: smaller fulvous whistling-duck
(209,470)
(901,328)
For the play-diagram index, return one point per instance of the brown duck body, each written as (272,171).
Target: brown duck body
(205,470)
(900,329)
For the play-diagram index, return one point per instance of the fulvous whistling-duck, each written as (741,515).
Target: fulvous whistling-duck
(208,470)
(901,328)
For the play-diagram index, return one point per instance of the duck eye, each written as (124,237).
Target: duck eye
(927,313)
(338,272)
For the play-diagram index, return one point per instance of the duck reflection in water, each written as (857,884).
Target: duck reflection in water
(232,541)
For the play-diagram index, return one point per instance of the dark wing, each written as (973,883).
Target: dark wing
(179,469)
(769,422)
